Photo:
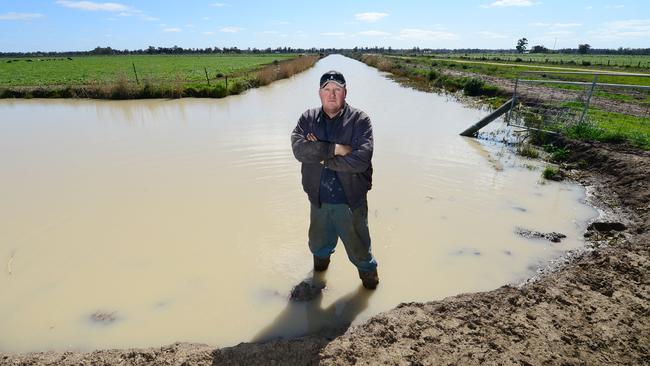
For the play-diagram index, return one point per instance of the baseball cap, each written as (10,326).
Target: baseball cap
(333,76)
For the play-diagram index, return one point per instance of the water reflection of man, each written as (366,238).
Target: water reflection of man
(334,144)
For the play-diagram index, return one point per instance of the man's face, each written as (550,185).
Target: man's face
(332,96)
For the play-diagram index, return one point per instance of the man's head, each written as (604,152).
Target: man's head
(332,92)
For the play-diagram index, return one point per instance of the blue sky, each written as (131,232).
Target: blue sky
(62,25)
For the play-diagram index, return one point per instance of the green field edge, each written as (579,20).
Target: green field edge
(122,88)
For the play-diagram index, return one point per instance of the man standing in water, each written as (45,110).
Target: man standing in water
(334,144)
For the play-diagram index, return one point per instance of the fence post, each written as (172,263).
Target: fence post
(512,104)
(136,74)
(591,92)
(471,131)
(206,75)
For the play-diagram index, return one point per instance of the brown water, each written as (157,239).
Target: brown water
(185,219)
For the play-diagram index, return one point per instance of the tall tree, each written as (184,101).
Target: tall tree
(521,45)
(583,48)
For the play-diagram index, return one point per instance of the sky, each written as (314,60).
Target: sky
(68,25)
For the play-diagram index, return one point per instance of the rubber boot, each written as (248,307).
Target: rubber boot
(321,264)
(369,279)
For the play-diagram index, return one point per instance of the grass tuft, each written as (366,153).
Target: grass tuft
(528,151)
(551,173)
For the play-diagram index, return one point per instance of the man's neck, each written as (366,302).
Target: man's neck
(335,114)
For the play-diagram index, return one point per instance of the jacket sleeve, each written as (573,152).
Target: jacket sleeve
(307,151)
(358,160)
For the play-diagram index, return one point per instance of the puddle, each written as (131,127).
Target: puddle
(142,223)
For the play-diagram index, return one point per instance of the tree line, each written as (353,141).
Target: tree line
(583,49)
(176,50)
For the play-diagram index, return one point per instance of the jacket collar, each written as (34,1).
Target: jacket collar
(339,114)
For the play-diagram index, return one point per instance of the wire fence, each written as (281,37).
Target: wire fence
(557,101)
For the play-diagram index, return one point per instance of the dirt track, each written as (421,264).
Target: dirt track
(536,93)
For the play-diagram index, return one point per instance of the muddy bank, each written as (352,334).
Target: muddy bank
(591,309)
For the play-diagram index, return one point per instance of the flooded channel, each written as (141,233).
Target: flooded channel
(141,223)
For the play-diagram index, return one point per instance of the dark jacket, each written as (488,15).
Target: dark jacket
(352,127)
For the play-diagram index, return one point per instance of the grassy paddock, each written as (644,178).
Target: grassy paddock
(627,62)
(512,71)
(427,73)
(114,77)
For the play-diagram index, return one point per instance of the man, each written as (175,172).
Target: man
(334,144)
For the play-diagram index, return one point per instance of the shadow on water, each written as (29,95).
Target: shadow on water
(300,331)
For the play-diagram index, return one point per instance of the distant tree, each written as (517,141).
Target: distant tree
(539,49)
(521,45)
(102,51)
(583,48)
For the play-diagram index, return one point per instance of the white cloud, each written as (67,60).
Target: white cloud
(20,16)
(172,30)
(370,17)
(270,32)
(425,35)
(219,5)
(491,35)
(505,3)
(208,33)
(120,9)
(231,29)
(373,33)
(624,29)
(614,6)
(556,25)
(93,6)
(333,34)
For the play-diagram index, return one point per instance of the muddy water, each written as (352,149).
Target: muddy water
(140,223)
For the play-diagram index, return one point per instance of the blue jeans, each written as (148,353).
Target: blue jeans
(333,221)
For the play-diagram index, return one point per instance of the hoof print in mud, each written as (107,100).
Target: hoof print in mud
(530,234)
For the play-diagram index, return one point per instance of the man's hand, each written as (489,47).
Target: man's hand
(339,149)
(342,150)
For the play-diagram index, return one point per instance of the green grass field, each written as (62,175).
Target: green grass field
(626,62)
(85,70)
(513,71)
